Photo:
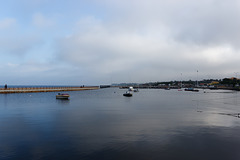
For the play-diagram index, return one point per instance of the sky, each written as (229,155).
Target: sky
(76,42)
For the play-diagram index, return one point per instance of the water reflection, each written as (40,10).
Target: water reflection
(63,101)
(5,100)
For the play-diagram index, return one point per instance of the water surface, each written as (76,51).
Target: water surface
(102,124)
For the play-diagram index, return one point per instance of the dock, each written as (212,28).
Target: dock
(44,89)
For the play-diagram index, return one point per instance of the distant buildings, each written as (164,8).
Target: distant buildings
(225,83)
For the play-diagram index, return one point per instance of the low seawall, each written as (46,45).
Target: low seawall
(44,89)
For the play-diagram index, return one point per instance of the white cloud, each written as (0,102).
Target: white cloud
(42,21)
(201,22)
(7,23)
(151,51)
(100,49)
(12,65)
(17,45)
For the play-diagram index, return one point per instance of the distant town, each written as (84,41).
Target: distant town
(225,83)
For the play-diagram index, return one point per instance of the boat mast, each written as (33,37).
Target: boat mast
(181,80)
(197,78)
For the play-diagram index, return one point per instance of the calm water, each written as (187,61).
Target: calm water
(102,124)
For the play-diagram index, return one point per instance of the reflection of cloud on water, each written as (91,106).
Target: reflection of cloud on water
(237,115)
(218,108)
(220,119)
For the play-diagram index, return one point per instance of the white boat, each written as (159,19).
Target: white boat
(130,88)
(62,96)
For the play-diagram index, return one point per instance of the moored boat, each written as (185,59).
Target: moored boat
(191,89)
(62,96)
(135,90)
(130,88)
(127,94)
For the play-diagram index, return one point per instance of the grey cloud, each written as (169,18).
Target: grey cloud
(157,40)
(201,22)
(211,23)
(18,45)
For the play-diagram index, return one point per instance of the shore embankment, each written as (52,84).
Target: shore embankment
(44,89)
(177,87)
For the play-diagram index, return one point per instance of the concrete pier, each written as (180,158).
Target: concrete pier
(44,89)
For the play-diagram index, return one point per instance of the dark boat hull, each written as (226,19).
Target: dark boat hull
(191,89)
(127,94)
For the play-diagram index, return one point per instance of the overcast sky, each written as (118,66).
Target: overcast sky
(93,42)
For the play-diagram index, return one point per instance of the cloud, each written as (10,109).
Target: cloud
(41,21)
(99,48)
(201,22)
(14,39)
(206,23)
(148,40)
(18,45)
(7,23)
(155,47)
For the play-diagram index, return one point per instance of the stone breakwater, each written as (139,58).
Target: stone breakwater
(44,89)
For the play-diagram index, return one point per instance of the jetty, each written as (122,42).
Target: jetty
(44,89)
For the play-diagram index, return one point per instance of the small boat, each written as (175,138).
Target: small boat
(131,89)
(135,90)
(62,96)
(127,94)
(195,90)
(191,89)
